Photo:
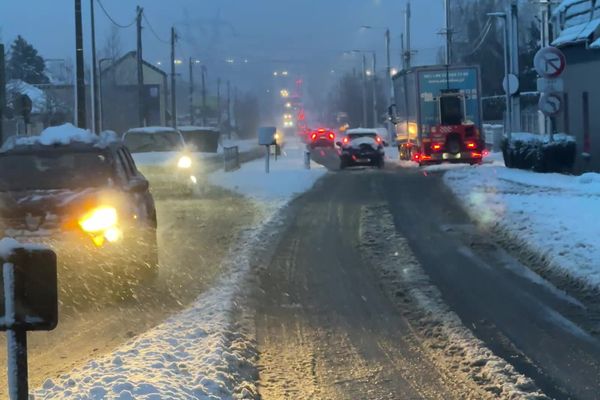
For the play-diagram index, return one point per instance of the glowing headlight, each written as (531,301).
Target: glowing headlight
(184,162)
(113,234)
(99,219)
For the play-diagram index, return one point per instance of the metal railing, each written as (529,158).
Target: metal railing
(231,158)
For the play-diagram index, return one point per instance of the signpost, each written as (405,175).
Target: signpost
(550,63)
(510,84)
(267,138)
(29,302)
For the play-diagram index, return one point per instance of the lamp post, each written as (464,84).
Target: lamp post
(508,122)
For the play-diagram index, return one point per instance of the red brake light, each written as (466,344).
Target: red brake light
(346,140)
(378,139)
(331,136)
(313,136)
(321,130)
(471,145)
(436,146)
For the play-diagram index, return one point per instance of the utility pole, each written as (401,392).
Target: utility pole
(79,71)
(204,122)
(229,109)
(407,50)
(173,89)
(448,32)
(364,91)
(545,13)
(374,90)
(95,95)
(140,69)
(513,23)
(192,120)
(219,103)
(2,92)
(389,65)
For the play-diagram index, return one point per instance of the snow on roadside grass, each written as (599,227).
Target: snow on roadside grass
(287,177)
(554,215)
(203,352)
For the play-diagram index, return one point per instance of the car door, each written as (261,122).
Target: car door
(144,197)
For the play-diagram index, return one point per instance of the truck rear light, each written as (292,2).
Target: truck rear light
(471,145)
(436,147)
(485,153)
(416,156)
(476,155)
(314,136)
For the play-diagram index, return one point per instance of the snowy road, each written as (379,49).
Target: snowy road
(326,329)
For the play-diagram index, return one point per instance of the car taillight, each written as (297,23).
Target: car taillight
(436,146)
(378,140)
(346,140)
(331,136)
(314,136)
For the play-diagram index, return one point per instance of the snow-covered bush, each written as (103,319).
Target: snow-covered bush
(535,152)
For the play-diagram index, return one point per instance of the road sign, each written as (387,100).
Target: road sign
(549,62)
(510,84)
(550,85)
(550,104)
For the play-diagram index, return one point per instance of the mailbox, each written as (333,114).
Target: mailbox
(35,289)
(266,136)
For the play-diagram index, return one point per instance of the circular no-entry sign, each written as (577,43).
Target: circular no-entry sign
(550,104)
(549,62)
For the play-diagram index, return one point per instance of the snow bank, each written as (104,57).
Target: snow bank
(287,178)
(552,214)
(61,135)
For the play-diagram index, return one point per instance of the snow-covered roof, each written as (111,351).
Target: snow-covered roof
(578,21)
(198,128)
(61,135)
(362,131)
(38,98)
(152,129)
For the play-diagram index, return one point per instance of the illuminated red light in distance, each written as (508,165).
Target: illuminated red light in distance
(471,145)
(346,140)
(436,146)
(331,135)
(313,136)
(378,139)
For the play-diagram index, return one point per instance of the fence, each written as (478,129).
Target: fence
(231,158)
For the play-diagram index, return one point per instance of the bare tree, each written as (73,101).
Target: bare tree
(112,47)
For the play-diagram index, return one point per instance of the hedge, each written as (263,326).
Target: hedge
(537,153)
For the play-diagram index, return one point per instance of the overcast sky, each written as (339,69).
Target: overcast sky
(306,37)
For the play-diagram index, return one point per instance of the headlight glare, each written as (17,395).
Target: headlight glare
(99,219)
(184,162)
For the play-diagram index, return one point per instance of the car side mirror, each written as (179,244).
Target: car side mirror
(138,186)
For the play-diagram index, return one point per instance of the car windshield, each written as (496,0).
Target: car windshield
(53,170)
(144,142)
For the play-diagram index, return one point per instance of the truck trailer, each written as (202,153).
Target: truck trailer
(437,114)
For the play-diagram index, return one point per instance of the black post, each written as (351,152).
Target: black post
(204,123)
(192,120)
(140,69)
(173,90)
(95,102)
(16,339)
(2,92)
(80,91)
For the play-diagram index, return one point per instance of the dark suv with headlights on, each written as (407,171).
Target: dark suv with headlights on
(362,147)
(85,199)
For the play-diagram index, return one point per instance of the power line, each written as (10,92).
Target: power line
(112,19)
(486,32)
(154,32)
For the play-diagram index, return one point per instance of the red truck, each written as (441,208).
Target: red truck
(437,114)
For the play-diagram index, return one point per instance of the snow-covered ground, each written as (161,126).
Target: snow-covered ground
(287,176)
(554,215)
(200,353)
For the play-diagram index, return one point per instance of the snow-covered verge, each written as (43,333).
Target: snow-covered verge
(206,351)
(287,178)
(451,346)
(553,215)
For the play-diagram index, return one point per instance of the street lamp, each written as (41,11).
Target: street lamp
(388,57)
(508,122)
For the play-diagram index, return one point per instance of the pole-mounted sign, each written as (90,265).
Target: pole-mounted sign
(267,138)
(549,62)
(28,302)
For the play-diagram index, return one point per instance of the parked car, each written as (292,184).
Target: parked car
(201,139)
(362,147)
(83,196)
